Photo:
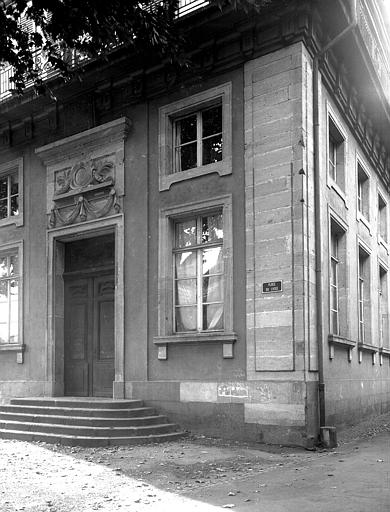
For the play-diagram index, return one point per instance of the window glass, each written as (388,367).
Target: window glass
(9,298)
(198,278)
(198,139)
(9,196)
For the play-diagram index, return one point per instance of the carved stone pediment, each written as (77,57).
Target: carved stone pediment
(85,174)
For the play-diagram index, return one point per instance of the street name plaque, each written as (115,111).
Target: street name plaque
(272,286)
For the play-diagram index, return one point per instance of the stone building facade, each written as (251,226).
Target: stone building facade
(214,241)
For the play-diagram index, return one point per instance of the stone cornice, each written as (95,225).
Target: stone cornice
(112,132)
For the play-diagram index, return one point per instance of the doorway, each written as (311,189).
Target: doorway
(89,317)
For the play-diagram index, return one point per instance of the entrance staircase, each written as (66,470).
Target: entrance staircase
(84,422)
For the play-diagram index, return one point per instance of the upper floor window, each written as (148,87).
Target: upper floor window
(382,218)
(198,139)
(11,196)
(336,154)
(363,192)
(9,296)
(195,136)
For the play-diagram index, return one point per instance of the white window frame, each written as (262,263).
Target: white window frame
(6,249)
(168,114)
(168,216)
(6,169)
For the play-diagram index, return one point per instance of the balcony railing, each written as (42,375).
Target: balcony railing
(45,71)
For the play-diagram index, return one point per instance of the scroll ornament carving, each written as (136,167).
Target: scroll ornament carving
(83,175)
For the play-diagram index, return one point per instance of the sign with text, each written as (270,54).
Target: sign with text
(272,286)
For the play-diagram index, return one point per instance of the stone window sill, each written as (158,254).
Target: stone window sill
(226,338)
(340,341)
(222,168)
(19,348)
(367,347)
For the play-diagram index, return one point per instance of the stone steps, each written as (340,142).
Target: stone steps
(84,422)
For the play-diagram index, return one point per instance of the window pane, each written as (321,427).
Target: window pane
(212,121)
(3,187)
(13,335)
(213,317)
(213,289)
(14,184)
(333,298)
(185,292)
(14,265)
(3,209)
(186,130)
(185,265)
(334,322)
(3,266)
(185,233)
(185,319)
(14,205)
(212,228)
(186,157)
(212,150)
(212,261)
(3,293)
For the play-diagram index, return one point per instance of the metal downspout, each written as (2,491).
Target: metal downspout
(318,210)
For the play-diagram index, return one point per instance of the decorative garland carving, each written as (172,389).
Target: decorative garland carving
(84,209)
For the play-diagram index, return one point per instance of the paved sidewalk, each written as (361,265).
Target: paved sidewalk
(198,474)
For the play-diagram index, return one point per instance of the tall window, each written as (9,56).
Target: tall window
(334,283)
(9,292)
(9,195)
(364,295)
(198,274)
(383,308)
(337,278)
(382,218)
(198,139)
(336,157)
(363,192)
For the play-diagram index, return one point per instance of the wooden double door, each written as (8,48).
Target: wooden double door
(89,346)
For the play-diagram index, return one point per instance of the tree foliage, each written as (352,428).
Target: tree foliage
(61,29)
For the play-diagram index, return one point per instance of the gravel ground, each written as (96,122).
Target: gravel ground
(197,473)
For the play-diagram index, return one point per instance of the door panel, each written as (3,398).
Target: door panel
(104,349)
(89,335)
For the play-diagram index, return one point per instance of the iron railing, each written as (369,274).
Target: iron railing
(46,71)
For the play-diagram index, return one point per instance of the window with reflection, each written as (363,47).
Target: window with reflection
(198,274)
(9,297)
(9,195)
(198,139)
